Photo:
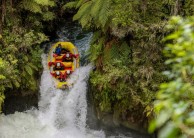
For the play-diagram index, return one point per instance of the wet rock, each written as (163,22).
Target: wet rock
(20,103)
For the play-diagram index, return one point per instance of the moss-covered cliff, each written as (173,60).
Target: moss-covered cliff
(23,24)
(127,51)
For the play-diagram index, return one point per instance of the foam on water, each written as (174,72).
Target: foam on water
(61,114)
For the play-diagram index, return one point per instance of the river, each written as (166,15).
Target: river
(62,114)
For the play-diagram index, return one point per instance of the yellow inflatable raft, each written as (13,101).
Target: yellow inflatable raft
(63,59)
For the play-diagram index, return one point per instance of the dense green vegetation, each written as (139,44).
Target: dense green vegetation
(21,34)
(174,105)
(127,51)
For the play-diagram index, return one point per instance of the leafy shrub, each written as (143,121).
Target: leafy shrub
(174,106)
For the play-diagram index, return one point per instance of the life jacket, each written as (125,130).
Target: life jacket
(68,56)
(68,72)
(58,65)
(65,75)
(58,50)
(57,74)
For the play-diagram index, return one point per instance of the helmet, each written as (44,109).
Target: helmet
(57,72)
(58,64)
(67,55)
(68,71)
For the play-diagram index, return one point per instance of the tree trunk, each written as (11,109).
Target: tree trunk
(11,6)
(2,14)
(0,18)
(176,8)
(144,6)
(3,11)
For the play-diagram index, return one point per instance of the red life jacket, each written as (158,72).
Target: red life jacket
(69,56)
(57,74)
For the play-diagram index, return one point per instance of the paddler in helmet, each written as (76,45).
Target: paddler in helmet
(57,74)
(58,50)
(65,75)
(68,57)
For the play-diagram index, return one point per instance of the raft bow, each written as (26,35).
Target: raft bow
(55,61)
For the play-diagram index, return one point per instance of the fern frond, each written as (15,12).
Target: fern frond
(80,2)
(96,8)
(30,6)
(45,2)
(33,66)
(70,5)
(85,20)
(47,16)
(115,52)
(104,13)
(96,49)
(28,69)
(85,8)
(16,83)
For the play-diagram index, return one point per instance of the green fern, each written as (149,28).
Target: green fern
(80,2)
(104,13)
(38,6)
(117,54)
(95,8)
(28,69)
(83,10)
(96,49)
(85,20)
(30,6)
(70,5)
(96,36)
(92,13)
(48,16)
(33,67)
(16,83)
(45,2)
(189,8)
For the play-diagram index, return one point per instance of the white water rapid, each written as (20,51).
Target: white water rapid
(61,114)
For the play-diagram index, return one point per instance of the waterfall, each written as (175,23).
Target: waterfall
(61,114)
